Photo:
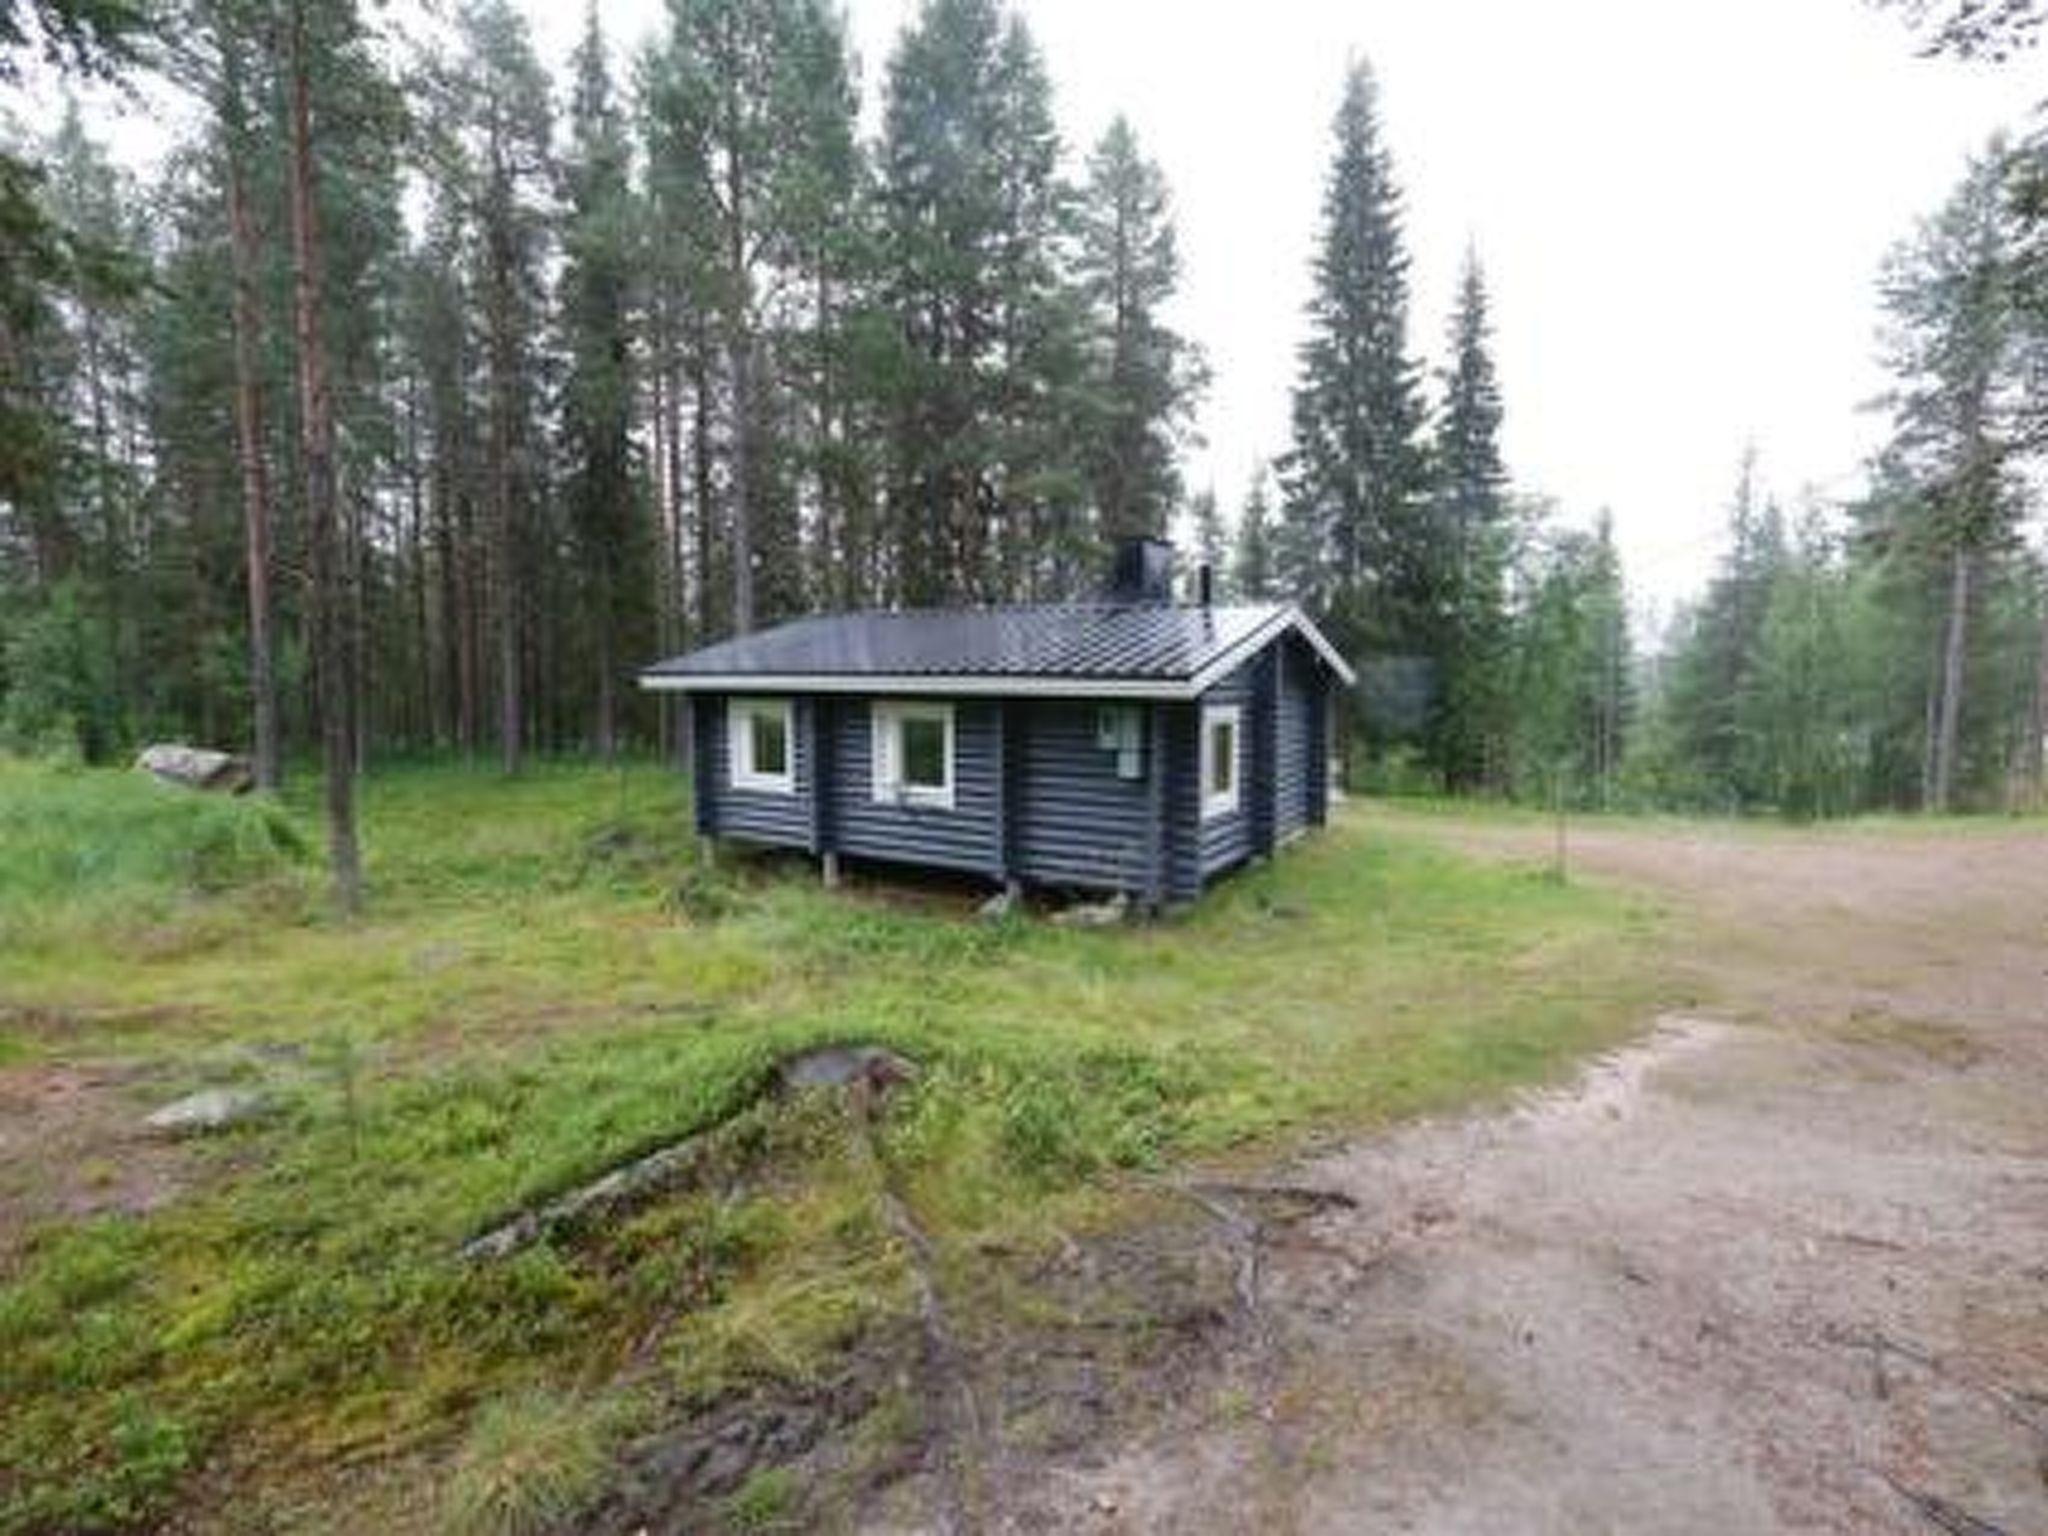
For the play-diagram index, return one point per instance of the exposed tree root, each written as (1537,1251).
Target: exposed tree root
(667,1169)
(866,1073)
(956,1434)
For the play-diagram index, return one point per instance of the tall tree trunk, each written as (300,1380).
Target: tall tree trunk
(324,570)
(511,708)
(2037,718)
(742,481)
(1949,720)
(267,753)
(700,461)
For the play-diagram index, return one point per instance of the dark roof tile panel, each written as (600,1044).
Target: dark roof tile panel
(1140,641)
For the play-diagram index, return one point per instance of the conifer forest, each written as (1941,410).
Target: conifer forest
(423,396)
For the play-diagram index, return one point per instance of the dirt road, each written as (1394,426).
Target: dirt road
(1781,1267)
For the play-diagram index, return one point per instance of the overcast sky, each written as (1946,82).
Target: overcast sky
(1681,210)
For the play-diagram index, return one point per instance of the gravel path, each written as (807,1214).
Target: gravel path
(1783,1268)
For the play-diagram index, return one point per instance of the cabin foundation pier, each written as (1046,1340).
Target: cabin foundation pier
(828,869)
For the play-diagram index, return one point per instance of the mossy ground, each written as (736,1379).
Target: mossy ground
(543,984)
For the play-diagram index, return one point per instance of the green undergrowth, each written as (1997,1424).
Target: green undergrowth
(544,985)
(88,851)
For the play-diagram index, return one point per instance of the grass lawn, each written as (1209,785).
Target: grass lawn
(545,984)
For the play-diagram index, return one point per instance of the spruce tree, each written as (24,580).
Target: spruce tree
(1252,557)
(1713,666)
(1356,546)
(1468,518)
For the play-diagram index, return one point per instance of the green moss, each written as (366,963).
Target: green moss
(529,1001)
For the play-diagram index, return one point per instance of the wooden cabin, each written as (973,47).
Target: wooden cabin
(1132,744)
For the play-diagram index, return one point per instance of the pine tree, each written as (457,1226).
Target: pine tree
(981,378)
(326,579)
(1468,514)
(502,126)
(606,520)
(754,137)
(1144,377)
(1356,545)
(1953,346)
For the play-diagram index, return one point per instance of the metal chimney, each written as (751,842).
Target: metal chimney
(1143,572)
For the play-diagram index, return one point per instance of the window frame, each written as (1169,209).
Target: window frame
(742,773)
(1227,802)
(886,718)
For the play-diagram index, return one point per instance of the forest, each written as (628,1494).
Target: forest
(420,397)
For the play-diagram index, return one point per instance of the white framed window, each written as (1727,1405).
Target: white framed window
(1221,769)
(913,753)
(760,739)
(1119,728)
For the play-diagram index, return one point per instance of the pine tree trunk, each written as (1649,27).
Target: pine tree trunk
(1949,721)
(511,707)
(742,484)
(2037,719)
(316,412)
(700,451)
(266,756)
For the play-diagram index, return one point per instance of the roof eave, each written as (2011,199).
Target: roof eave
(949,684)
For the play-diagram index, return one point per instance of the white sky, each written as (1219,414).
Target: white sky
(1681,209)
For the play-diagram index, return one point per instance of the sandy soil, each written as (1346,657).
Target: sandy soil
(72,1145)
(1781,1268)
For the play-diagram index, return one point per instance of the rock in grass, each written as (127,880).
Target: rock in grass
(196,768)
(997,907)
(1097,914)
(843,1066)
(211,1109)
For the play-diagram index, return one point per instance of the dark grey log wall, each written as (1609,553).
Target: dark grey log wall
(1293,760)
(965,837)
(1077,823)
(1033,767)
(746,813)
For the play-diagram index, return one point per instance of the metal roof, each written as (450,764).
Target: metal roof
(1138,650)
